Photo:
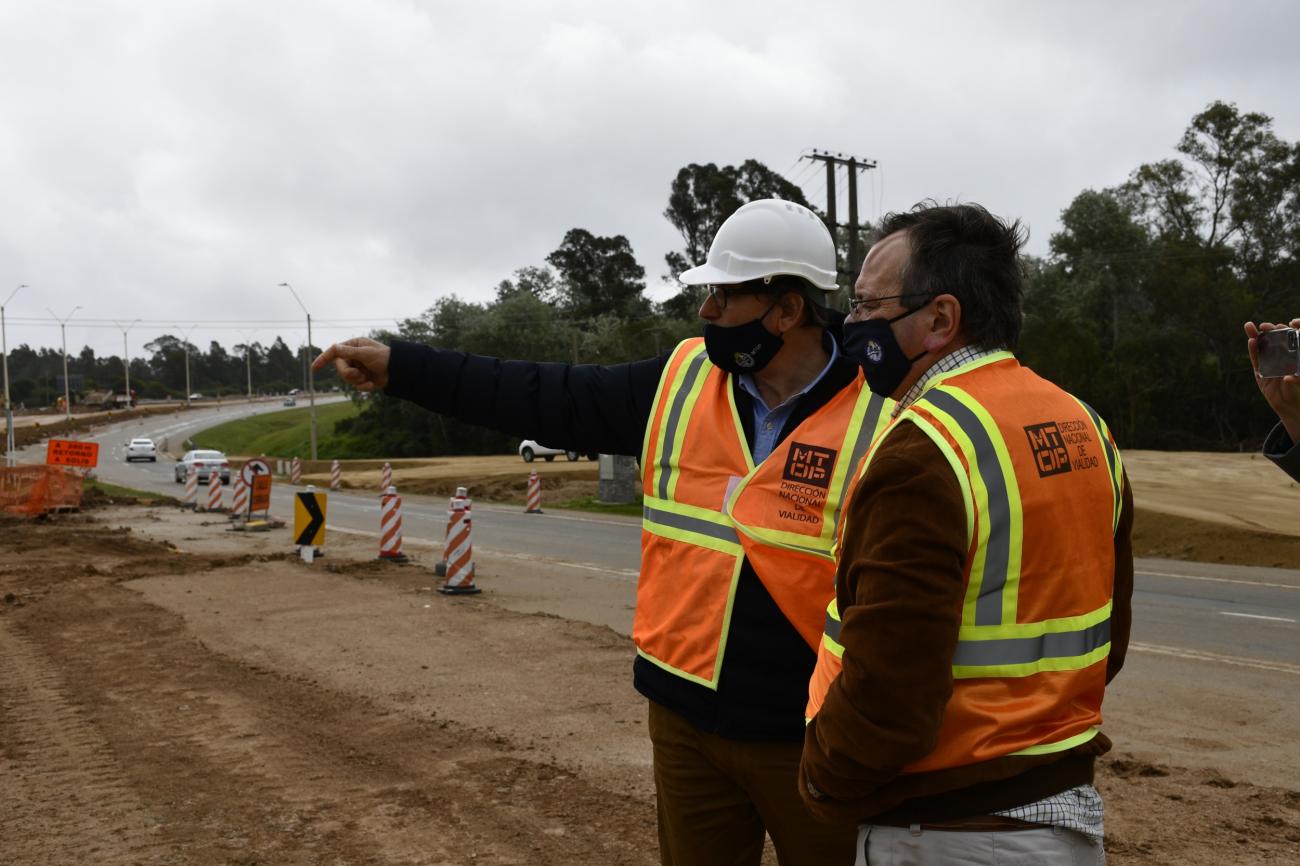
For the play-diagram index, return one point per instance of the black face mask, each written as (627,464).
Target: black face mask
(873,346)
(745,348)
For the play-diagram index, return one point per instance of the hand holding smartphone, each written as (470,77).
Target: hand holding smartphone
(1274,350)
(1279,352)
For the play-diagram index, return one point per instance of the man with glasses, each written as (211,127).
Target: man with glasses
(747,439)
(984,578)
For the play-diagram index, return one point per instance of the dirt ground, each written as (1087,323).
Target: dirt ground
(169,702)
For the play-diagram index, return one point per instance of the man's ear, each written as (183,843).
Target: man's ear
(791,307)
(945,323)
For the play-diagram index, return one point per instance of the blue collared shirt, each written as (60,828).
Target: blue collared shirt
(768,422)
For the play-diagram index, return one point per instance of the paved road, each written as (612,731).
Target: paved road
(609,544)
(1226,615)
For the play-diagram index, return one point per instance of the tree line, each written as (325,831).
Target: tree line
(36,375)
(1139,306)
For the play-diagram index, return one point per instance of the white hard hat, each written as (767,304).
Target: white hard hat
(767,238)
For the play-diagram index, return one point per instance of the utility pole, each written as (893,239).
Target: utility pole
(854,165)
(4,361)
(63,331)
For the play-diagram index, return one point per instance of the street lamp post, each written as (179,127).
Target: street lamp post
(63,333)
(185,345)
(4,361)
(248,364)
(126,359)
(311,375)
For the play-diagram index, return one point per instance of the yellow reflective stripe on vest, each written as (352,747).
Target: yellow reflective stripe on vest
(1061,745)
(831,631)
(685,390)
(991,596)
(1066,644)
(740,427)
(874,419)
(1113,462)
(690,524)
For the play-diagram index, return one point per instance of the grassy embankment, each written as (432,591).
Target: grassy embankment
(287,434)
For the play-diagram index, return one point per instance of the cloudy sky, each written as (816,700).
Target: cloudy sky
(175,161)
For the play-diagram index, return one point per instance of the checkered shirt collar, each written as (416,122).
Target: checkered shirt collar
(949,362)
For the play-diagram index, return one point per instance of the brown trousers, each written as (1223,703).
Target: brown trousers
(717,798)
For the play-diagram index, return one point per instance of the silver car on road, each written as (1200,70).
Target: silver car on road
(205,463)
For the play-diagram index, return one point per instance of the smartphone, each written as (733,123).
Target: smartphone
(1279,352)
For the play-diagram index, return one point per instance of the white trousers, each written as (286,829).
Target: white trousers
(904,846)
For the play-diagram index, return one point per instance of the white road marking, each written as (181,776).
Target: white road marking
(1256,616)
(618,573)
(1197,655)
(1217,579)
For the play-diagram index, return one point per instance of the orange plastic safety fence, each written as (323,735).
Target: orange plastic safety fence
(32,490)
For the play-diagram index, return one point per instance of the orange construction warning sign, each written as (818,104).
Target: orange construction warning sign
(33,490)
(69,452)
(261,494)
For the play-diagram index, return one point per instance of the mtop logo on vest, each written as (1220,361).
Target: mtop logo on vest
(1052,442)
(807,477)
(809,464)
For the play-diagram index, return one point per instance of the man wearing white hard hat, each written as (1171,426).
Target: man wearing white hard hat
(747,439)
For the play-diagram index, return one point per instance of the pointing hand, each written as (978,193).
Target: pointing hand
(361,362)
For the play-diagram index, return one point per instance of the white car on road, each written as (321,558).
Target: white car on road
(141,449)
(205,462)
(530,450)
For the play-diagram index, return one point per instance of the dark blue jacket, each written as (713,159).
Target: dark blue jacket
(1279,448)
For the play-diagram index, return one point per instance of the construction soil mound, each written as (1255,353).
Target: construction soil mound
(196,701)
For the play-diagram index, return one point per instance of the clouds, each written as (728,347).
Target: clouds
(175,161)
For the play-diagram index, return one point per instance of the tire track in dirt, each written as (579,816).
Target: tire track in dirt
(223,761)
(65,798)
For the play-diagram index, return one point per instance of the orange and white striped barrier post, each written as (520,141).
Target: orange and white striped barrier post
(295,471)
(336,476)
(192,487)
(459,551)
(385,479)
(390,527)
(533,503)
(214,490)
(240,503)
(441,568)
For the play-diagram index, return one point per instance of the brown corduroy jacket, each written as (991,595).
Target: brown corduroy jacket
(900,587)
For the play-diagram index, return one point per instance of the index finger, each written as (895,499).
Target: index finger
(324,358)
(335,352)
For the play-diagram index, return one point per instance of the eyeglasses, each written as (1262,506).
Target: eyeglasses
(859,307)
(720,294)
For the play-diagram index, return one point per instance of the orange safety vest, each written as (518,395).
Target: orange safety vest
(708,507)
(1042,482)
